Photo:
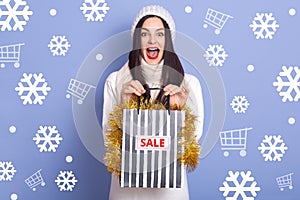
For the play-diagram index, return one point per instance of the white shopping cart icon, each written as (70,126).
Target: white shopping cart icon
(216,19)
(35,180)
(78,89)
(10,54)
(285,181)
(234,140)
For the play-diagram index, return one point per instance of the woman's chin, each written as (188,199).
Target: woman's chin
(152,61)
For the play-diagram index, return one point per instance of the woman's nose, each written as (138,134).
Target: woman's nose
(152,39)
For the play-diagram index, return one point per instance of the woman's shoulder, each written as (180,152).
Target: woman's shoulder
(113,76)
(190,78)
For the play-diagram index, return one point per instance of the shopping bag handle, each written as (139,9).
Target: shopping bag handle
(156,88)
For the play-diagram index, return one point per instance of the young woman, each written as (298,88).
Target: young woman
(153,63)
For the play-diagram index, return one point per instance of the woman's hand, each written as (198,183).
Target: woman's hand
(178,95)
(130,88)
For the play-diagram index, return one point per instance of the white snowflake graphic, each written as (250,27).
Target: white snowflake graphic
(215,55)
(288,79)
(245,187)
(94,11)
(47,138)
(7,171)
(239,104)
(264,25)
(59,45)
(32,91)
(272,148)
(14,14)
(66,181)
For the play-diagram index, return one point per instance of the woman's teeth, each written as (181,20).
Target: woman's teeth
(152,53)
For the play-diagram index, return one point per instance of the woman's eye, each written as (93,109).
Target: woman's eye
(144,34)
(160,34)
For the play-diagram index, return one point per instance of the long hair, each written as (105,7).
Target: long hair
(172,72)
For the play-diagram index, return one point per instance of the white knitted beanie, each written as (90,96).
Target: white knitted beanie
(157,11)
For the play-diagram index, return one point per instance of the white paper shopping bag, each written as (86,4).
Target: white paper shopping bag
(149,157)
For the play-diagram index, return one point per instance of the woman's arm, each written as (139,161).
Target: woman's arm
(195,102)
(110,100)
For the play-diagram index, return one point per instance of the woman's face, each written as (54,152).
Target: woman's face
(152,40)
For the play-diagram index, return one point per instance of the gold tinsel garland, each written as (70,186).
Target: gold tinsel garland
(113,144)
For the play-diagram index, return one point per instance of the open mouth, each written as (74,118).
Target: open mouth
(152,53)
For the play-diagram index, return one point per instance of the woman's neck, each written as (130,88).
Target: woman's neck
(152,73)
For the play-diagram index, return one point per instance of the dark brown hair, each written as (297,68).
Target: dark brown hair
(172,72)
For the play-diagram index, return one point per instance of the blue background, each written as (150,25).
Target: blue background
(267,114)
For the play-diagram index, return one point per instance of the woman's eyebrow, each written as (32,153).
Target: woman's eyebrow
(145,29)
(159,29)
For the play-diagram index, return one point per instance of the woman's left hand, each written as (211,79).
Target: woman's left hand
(178,95)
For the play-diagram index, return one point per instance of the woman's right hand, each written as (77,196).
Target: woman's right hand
(130,88)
